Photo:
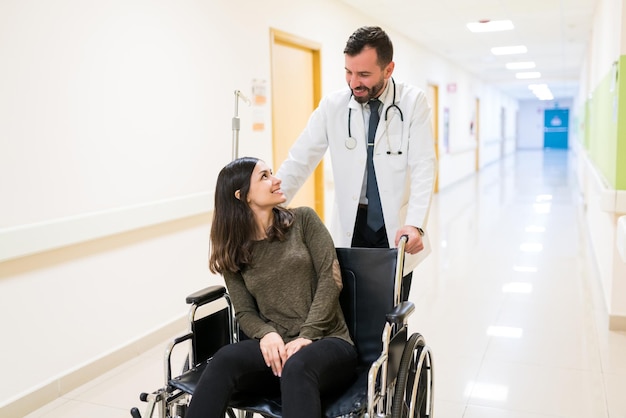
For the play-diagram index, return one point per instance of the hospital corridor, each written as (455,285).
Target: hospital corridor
(493,129)
(509,301)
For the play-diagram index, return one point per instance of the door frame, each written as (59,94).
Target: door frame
(435,123)
(287,39)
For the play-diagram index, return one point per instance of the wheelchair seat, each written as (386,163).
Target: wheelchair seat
(369,302)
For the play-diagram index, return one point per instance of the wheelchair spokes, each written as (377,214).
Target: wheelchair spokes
(413,397)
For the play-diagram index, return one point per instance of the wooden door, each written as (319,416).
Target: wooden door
(295,94)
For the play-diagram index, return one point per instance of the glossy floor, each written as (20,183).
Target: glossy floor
(508,301)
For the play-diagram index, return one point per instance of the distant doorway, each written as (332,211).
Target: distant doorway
(555,128)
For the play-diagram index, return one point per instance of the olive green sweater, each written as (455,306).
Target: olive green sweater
(291,287)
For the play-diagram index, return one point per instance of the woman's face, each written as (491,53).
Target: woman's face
(265,189)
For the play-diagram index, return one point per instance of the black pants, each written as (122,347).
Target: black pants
(326,365)
(364,237)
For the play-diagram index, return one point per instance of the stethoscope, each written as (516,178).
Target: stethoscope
(351,142)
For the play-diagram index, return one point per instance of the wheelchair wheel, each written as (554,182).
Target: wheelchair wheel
(413,396)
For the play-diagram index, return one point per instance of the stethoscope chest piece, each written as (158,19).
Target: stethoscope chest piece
(350,143)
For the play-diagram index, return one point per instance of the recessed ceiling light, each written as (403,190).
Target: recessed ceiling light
(521,65)
(527,75)
(490,25)
(509,50)
(542,91)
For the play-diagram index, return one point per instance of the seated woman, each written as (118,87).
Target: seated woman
(282,273)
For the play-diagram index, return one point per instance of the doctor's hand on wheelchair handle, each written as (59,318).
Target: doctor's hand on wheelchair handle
(414,242)
(274,352)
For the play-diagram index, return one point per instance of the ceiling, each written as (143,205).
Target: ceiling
(556,33)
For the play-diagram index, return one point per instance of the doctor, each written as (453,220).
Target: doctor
(403,167)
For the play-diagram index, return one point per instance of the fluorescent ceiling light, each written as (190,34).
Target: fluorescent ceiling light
(522,65)
(509,50)
(490,25)
(542,207)
(528,75)
(542,91)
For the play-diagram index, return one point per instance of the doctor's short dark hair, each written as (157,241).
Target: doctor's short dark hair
(374,37)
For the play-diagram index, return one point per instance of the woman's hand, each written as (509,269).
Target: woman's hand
(274,353)
(294,346)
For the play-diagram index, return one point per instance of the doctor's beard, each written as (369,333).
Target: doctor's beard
(374,91)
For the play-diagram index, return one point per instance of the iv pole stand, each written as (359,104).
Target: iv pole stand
(237,123)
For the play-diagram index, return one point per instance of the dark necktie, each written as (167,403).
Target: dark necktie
(374,209)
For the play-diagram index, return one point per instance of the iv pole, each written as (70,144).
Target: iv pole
(237,123)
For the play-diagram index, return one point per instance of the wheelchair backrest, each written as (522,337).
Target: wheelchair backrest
(213,332)
(367,297)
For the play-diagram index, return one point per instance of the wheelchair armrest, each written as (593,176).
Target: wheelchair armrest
(206,295)
(400,313)
(168,354)
(180,339)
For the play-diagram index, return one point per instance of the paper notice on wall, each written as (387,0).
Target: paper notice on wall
(259,105)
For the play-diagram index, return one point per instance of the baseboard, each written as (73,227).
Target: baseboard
(617,322)
(48,392)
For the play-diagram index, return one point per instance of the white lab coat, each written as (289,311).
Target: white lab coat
(405,181)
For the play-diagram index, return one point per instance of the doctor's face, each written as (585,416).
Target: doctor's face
(366,78)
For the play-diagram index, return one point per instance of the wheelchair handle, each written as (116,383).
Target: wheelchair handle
(403,241)
(399,269)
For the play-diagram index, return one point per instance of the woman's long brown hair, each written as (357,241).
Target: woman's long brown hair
(233,227)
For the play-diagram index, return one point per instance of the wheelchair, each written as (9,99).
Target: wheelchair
(394,376)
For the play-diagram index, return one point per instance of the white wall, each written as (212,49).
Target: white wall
(112,106)
(604,204)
